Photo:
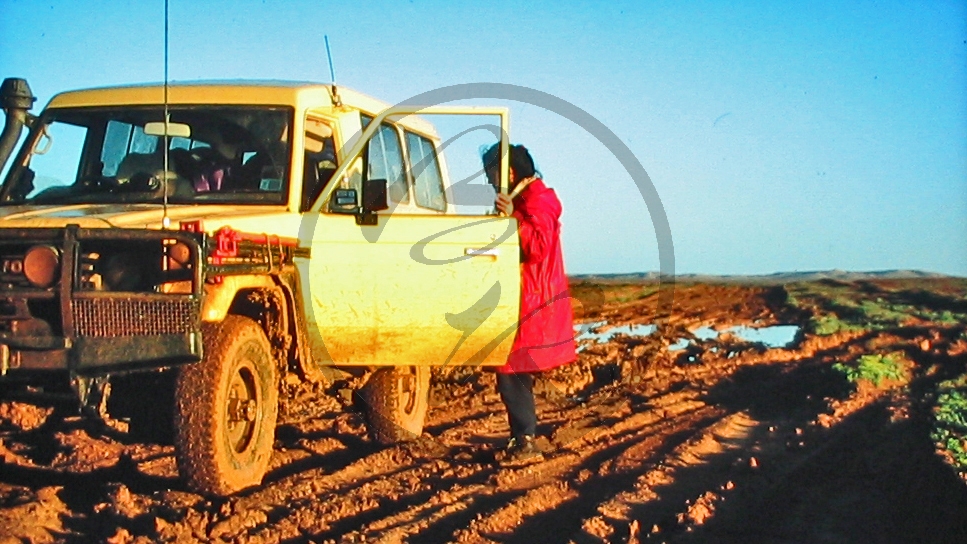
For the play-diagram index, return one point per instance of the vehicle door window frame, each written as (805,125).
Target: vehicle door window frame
(404,178)
(306,200)
(429,167)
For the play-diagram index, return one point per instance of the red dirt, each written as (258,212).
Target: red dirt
(743,444)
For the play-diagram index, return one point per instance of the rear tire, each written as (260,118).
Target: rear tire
(396,401)
(226,409)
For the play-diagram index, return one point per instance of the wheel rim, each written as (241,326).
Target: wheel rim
(244,408)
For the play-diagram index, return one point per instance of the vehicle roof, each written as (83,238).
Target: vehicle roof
(302,95)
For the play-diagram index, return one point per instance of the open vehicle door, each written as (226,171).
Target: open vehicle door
(385,287)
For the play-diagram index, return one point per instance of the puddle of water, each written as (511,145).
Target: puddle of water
(680,344)
(776,336)
(705,333)
(586,331)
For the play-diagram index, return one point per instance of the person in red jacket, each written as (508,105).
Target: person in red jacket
(545,331)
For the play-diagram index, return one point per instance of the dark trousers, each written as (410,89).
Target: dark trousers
(517,392)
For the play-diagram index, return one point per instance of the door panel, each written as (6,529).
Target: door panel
(429,290)
(417,288)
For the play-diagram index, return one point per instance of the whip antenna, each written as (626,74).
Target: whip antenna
(165,220)
(332,75)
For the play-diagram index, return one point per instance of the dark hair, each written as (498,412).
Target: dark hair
(520,160)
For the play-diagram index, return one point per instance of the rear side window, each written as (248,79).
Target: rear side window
(428,182)
(384,160)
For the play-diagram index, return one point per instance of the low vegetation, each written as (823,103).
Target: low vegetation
(950,423)
(837,306)
(832,307)
(826,325)
(873,368)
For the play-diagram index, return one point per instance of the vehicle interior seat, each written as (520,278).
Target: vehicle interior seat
(141,167)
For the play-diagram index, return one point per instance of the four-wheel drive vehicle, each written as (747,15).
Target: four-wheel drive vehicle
(172,255)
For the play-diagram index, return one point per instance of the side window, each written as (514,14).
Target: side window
(58,156)
(428,182)
(121,139)
(141,142)
(384,160)
(178,142)
(116,139)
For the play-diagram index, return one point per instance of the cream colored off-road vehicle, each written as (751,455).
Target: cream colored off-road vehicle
(171,255)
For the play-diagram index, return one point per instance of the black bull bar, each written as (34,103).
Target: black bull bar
(89,331)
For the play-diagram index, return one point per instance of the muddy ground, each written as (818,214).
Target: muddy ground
(739,443)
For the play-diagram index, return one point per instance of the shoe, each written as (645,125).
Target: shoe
(520,451)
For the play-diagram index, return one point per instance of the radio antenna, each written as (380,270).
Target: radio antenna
(336,101)
(165,220)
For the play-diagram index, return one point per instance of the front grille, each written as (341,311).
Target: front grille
(111,316)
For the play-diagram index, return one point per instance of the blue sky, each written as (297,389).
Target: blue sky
(779,136)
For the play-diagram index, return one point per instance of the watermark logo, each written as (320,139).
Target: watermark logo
(466,319)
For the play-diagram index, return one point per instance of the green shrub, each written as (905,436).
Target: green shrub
(947,317)
(872,368)
(887,314)
(647,292)
(950,421)
(825,325)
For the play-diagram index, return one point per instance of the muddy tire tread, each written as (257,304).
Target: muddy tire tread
(201,459)
(386,422)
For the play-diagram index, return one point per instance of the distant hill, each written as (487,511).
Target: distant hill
(778,277)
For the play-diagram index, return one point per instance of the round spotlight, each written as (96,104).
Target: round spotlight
(179,256)
(42,266)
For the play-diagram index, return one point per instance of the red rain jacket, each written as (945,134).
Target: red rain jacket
(545,334)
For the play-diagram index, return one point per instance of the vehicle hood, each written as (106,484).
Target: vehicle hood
(118,215)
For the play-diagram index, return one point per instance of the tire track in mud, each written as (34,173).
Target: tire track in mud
(413,489)
(703,431)
(615,455)
(521,493)
(607,451)
(552,509)
(709,447)
(624,455)
(319,505)
(578,469)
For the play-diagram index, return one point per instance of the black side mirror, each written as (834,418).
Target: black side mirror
(374,200)
(374,195)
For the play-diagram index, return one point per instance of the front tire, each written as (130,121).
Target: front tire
(396,401)
(226,409)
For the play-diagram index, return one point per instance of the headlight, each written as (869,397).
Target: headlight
(42,266)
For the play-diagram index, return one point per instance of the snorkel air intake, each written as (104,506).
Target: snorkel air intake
(15,99)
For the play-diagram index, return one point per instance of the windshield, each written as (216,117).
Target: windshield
(103,155)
